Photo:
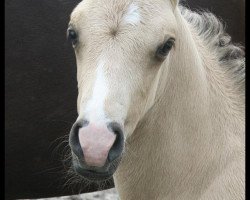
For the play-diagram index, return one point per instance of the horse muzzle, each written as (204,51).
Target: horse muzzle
(96,149)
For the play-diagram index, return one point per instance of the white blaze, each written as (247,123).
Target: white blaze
(132,16)
(95,107)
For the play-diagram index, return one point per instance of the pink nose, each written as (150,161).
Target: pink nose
(96,142)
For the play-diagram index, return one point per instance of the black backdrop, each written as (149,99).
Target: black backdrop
(41,90)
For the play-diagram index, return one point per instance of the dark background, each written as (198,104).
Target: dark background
(41,91)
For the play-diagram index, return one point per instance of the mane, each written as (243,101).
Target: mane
(230,56)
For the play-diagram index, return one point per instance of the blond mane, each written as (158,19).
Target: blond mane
(230,56)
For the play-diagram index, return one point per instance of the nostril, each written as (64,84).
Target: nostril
(83,123)
(118,145)
(74,139)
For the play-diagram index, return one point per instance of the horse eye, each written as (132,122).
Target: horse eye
(72,36)
(164,49)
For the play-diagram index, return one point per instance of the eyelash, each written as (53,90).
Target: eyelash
(164,49)
(72,36)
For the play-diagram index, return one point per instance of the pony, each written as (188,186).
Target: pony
(161,101)
(37,51)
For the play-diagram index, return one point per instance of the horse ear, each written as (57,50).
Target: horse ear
(174,3)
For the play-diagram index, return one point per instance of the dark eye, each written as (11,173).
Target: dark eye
(72,36)
(164,49)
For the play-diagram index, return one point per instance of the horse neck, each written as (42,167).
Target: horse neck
(195,92)
(192,124)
